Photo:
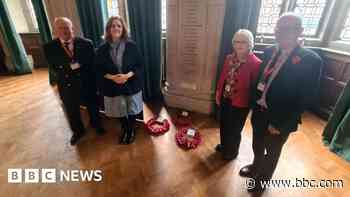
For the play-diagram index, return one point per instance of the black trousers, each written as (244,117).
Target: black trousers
(70,96)
(265,164)
(232,121)
(90,99)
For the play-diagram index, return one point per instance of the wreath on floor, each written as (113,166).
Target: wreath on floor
(188,138)
(182,120)
(156,127)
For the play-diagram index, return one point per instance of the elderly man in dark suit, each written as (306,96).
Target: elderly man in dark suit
(72,59)
(288,81)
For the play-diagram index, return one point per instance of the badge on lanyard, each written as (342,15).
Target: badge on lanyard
(74,65)
(227,87)
(261,86)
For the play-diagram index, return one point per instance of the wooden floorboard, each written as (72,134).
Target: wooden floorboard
(35,134)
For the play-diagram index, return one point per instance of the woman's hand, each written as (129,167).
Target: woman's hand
(120,78)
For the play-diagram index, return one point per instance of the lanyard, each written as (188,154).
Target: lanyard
(270,66)
(68,52)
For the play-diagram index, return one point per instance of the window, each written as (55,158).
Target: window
(312,12)
(113,8)
(345,35)
(32,16)
(163,15)
(269,14)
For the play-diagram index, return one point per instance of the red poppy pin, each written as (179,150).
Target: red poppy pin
(296,60)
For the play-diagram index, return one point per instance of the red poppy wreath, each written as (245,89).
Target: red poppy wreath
(182,120)
(156,127)
(188,138)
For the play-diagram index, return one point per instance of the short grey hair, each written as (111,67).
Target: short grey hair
(248,35)
(295,16)
(60,19)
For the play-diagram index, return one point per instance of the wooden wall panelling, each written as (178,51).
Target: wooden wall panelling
(33,46)
(335,75)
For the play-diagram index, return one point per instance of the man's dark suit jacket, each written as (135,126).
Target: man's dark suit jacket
(293,89)
(84,54)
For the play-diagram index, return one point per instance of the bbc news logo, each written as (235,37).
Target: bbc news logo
(18,175)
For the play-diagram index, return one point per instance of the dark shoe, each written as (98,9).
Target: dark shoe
(131,136)
(247,171)
(76,137)
(100,131)
(124,137)
(218,148)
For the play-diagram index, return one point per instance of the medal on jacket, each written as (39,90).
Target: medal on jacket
(227,88)
(230,80)
(261,86)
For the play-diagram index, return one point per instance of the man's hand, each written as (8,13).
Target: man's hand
(273,131)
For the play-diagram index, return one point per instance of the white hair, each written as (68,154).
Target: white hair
(59,20)
(248,35)
(295,16)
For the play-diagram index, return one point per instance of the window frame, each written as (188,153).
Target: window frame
(334,40)
(313,40)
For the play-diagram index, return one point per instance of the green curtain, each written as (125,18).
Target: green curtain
(91,19)
(336,134)
(145,26)
(13,41)
(44,29)
(238,14)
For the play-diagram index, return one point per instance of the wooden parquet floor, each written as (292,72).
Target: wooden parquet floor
(35,134)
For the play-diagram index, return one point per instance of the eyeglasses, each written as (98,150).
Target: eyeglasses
(287,29)
(239,42)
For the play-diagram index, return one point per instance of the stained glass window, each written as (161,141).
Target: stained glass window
(345,35)
(269,14)
(311,12)
(113,8)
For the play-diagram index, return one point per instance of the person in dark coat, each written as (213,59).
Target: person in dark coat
(121,73)
(72,60)
(288,82)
